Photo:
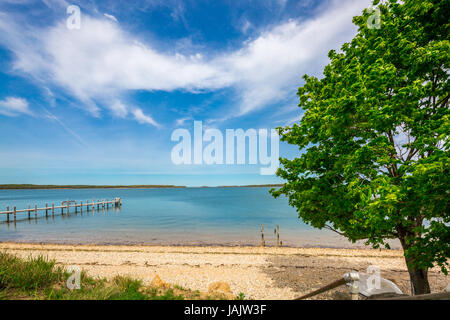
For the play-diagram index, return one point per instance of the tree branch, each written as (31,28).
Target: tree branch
(334,230)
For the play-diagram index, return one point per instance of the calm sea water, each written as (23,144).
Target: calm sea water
(196,216)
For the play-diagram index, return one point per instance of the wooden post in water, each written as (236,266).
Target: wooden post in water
(262,235)
(104,203)
(278,235)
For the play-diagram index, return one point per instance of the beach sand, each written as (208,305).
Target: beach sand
(259,273)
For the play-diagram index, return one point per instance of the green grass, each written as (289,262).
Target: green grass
(39,278)
(240,296)
(28,276)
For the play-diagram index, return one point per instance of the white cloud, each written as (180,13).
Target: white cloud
(143,118)
(109,16)
(12,106)
(271,66)
(181,121)
(119,109)
(246,26)
(101,61)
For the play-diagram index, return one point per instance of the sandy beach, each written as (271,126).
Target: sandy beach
(259,273)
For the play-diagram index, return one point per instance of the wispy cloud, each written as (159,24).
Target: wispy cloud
(13,106)
(119,109)
(246,25)
(110,16)
(72,133)
(102,61)
(181,121)
(143,118)
(267,68)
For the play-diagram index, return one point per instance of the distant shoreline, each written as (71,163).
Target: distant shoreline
(54,186)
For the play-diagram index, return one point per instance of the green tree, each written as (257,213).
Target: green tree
(374,137)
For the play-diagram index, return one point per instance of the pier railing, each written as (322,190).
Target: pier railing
(65,205)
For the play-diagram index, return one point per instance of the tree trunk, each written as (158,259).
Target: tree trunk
(419,280)
(418,277)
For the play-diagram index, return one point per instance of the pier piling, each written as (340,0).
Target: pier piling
(262,236)
(278,235)
(104,203)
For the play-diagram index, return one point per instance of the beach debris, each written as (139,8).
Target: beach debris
(374,285)
(371,286)
(219,287)
(352,280)
(157,282)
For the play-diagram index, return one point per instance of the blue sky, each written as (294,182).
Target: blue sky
(97,105)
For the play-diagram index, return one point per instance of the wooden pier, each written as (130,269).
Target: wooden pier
(65,206)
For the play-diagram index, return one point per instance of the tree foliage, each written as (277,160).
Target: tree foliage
(374,136)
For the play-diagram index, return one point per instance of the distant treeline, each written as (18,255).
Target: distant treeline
(137,186)
(253,186)
(54,186)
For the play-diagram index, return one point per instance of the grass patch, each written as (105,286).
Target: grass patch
(30,275)
(39,278)
(240,296)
